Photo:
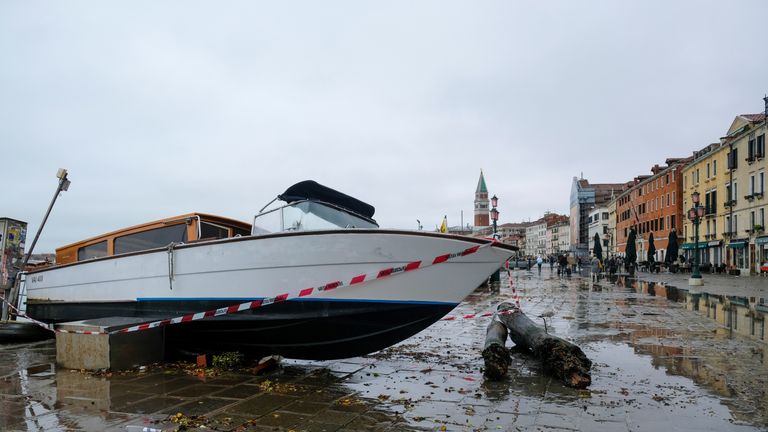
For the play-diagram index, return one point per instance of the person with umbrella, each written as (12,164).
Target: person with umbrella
(672,251)
(651,253)
(631,252)
(597,259)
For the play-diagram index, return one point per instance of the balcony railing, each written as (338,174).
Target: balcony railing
(757,229)
(730,203)
(749,197)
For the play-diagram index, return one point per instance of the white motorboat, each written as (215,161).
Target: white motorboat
(318,238)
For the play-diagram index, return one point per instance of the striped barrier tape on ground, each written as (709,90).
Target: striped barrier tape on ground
(515,295)
(303,293)
(23,315)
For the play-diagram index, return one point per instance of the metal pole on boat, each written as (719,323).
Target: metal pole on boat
(14,295)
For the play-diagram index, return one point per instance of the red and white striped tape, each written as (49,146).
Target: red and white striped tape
(23,315)
(356,280)
(515,295)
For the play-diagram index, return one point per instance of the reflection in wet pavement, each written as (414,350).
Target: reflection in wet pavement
(664,359)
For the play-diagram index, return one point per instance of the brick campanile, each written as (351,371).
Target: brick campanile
(482,219)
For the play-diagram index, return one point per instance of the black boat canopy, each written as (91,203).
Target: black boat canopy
(312,190)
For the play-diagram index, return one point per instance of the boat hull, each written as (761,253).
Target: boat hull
(344,322)
(317,330)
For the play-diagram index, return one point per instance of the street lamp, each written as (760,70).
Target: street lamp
(695,214)
(494,213)
(496,276)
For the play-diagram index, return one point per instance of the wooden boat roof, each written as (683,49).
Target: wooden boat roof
(158,223)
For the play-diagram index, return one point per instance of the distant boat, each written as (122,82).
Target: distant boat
(198,262)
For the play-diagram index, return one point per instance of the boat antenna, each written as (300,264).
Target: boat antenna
(268,204)
(62,186)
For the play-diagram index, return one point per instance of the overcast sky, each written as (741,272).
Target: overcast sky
(164,108)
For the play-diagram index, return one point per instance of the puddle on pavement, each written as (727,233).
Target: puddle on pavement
(659,362)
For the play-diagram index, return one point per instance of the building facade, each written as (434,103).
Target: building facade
(584,198)
(611,234)
(651,205)
(598,224)
(733,197)
(536,238)
(559,237)
(513,234)
(707,174)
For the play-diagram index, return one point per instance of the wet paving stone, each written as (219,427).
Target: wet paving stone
(305,407)
(262,404)
(203,406)
(242,391)
(196,390)
(157,404)
(283,419)
(333,417)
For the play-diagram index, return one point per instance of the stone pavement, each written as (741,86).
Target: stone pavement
(657,366)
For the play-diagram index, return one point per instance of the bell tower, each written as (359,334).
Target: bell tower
(481,204)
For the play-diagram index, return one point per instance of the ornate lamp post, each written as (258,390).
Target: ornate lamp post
(695,214)
(496,276)
(494,213)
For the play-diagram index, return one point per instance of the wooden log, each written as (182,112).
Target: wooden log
(559,357)
(495,352)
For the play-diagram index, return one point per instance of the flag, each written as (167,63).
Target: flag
(444,225)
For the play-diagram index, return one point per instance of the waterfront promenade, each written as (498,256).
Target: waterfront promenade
(657,365)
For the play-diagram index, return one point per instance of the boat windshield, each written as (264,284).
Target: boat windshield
(307,216)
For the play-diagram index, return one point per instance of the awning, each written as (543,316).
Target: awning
(737,244)
(702,245)
(761,240)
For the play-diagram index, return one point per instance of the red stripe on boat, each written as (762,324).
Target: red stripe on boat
(412,265)
(332,285)
(305,292)
(441,259)
(384,273)
(281,298)
(471,250)
(232,309)
(357,279)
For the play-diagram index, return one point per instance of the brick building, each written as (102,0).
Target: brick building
(653,204)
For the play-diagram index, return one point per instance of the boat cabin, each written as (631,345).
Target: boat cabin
(180,229)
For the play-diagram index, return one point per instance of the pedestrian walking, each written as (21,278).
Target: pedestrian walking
(539,262)
(571,263)
(595,264)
